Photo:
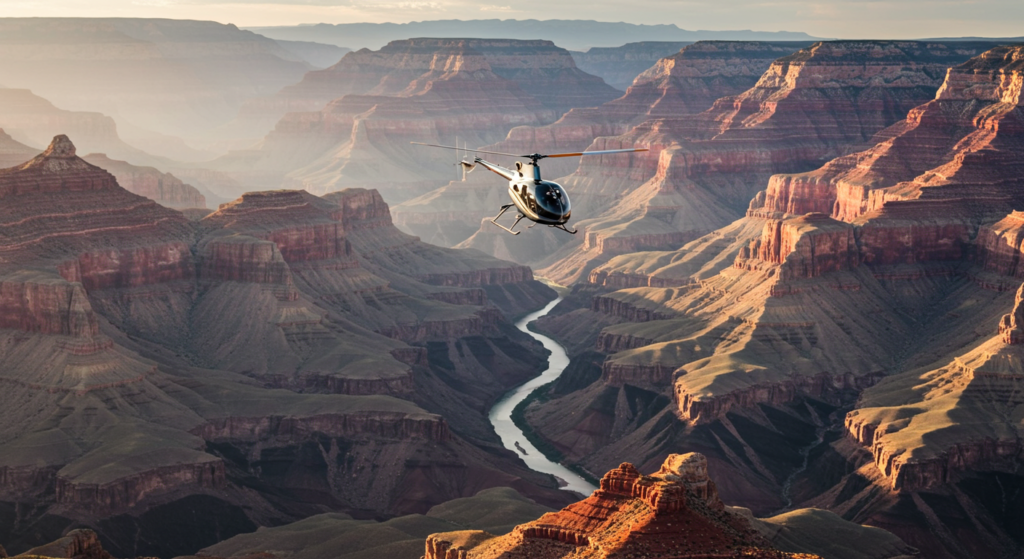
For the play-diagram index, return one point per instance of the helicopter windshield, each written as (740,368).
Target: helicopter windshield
(551,198)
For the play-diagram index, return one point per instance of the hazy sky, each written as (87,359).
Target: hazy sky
(837,18)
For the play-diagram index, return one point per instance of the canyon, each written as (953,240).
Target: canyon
(361,114)
(701,170)
(843,345)
(686,82)
(242,317)
(283,356)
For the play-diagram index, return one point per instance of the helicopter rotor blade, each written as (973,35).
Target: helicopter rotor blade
(601,152)
(467,149)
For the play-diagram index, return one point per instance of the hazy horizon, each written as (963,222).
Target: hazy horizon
(844,19)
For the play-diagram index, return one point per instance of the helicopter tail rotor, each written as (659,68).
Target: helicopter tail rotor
(467,167)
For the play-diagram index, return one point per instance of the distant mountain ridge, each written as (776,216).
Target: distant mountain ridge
(568,34)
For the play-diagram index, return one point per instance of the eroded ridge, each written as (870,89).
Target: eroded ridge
(674,514)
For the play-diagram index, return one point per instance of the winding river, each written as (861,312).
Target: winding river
(501,413)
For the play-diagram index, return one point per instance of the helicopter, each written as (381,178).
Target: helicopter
(540,201)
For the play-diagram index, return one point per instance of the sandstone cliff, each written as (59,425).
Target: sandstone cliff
(697,177)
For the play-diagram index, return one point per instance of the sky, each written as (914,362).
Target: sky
(846,19)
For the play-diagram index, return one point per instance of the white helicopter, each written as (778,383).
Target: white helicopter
(538,200)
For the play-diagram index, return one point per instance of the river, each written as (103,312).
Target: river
(501,413)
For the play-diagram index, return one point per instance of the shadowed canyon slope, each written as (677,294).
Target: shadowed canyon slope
(427,90)
(702,169)
(835,346)
(285,356)
(675,512)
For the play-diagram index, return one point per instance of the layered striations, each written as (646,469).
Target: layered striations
(284,356)
(684,83)
(875,282)
(702,170)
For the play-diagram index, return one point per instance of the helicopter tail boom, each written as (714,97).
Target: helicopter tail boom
(507,174)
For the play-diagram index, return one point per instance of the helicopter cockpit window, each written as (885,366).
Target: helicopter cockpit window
(551,198)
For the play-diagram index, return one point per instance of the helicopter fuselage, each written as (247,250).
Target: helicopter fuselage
(538,200)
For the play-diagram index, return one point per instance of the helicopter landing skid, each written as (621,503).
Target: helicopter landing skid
(509,229)
(562,227)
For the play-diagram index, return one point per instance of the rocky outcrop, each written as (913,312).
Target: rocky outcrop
(76,544)
(143,241)
(125,492)
(35,302)
(630,513)
(163,188)
(943,152)
(999,246)
(804,247)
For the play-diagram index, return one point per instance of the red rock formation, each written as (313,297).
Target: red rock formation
(673,513)
(805,247)
(684,83)
(76,544)
(698,173)
(163,188)
(944,150)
